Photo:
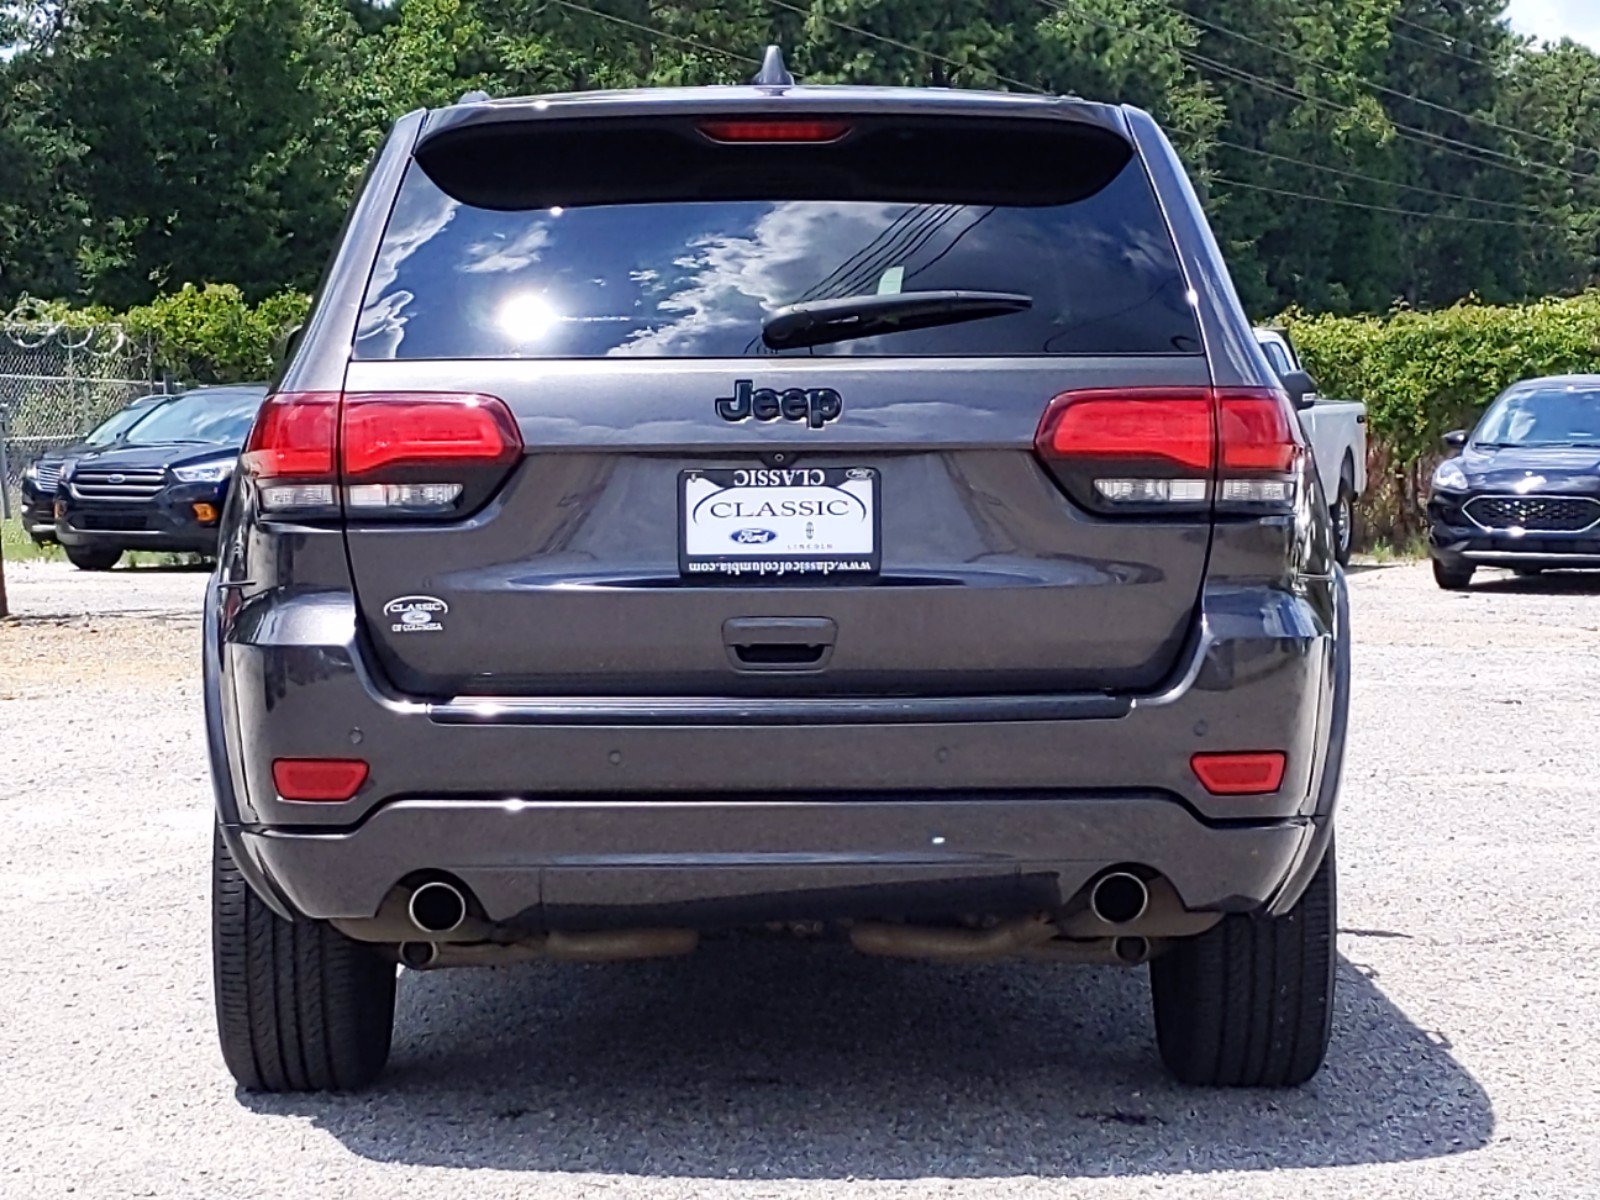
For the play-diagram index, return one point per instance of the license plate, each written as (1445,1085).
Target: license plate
(776,523)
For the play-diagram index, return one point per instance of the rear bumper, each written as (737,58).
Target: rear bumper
(579,814)
(588,864)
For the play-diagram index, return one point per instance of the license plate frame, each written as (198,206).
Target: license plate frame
(847,530)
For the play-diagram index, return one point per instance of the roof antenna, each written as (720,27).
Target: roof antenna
(773,73)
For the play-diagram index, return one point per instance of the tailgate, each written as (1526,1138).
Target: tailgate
(701,507)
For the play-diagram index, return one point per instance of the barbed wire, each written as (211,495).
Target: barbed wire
(29,325)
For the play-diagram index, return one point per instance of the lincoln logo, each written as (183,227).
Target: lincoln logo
(815,406)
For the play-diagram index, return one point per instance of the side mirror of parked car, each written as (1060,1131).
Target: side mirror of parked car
(1301,388)
(1456,439)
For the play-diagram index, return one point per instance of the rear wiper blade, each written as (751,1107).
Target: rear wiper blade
(818,322)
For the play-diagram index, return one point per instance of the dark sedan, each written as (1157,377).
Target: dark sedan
(40,479)
(1525,491)
(162,486)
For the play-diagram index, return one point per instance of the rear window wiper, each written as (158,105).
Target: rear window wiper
(818,322)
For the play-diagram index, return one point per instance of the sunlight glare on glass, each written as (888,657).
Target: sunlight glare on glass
(526,317)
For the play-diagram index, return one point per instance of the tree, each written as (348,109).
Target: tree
(1355,152)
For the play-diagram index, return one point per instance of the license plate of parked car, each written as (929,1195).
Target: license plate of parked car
(776,522)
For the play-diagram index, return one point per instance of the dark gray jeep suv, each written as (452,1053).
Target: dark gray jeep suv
(863,512)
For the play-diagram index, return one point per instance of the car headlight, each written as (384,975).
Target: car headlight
(206,472)
(31,472)
(1450,476)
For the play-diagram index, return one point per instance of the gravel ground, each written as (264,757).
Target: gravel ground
(1465,1060)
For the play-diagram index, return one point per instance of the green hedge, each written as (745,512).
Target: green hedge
(1420,374)
(1423,374)
(207,334)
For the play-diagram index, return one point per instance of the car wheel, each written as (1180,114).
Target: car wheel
(1249,1003)
(93,558)
(1344,522)
(300,1007)
(1452,579)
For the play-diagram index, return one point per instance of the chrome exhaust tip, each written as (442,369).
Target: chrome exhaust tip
(437,907)
(1131,951)
(418,956)
(1119,897)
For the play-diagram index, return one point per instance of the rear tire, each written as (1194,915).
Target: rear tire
(1451,579)
(300,1007)
(93,558)
(1344,522)
(1249,1003)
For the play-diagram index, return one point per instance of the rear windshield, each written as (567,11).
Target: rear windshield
(695,271)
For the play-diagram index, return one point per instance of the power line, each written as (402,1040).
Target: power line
(1383,208)
(1378,179)
(1435,48)
(1435,141)
(928,54)
(1442,36)
(653,30)
(1306,59)
(1275,86)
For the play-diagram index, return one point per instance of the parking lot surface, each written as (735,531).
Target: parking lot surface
(1465,1062)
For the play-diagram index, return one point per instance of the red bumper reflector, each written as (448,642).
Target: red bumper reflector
(318,779)
(1240,774)
(775,131)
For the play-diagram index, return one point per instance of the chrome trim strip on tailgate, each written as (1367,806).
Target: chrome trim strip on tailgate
(718,710)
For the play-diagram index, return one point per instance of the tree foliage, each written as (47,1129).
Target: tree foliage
(1355,152)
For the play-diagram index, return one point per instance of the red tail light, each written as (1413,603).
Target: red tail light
(1256,431)
(1165,449)
(324,780)
(786,130)
(1162,424)
(1254,774)
(423,430)
(379,454)
(294,436)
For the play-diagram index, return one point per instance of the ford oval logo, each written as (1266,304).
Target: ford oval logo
(116,479)
(752,537)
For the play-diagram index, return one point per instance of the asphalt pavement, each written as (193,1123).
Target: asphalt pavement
(1466,1060)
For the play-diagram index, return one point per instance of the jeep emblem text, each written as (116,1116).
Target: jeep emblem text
(815,406)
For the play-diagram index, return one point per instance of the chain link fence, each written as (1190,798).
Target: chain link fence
(57,382)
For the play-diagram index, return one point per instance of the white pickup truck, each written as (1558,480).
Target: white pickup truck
(1337,431)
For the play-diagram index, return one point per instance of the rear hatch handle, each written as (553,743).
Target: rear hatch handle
(779,643)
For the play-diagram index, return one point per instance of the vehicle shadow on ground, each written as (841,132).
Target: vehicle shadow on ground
(782,1062)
